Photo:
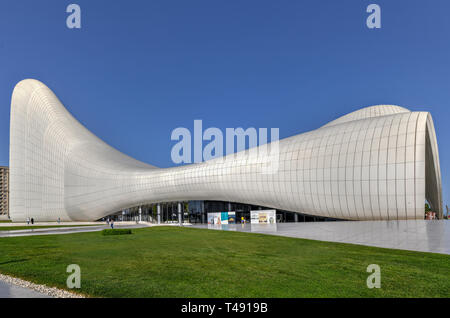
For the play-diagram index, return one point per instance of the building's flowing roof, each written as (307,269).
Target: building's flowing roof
(368,112)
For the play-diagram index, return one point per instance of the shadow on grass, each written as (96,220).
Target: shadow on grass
(15,261)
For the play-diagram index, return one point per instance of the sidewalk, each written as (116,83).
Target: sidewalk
(13,291)
(8,224)
(70,230)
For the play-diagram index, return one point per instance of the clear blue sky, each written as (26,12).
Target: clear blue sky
(138,69)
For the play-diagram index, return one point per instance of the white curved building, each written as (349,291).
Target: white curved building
(377,163)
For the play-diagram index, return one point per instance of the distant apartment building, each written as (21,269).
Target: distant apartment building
(4,191)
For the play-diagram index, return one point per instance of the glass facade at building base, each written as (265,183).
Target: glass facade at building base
(196,212)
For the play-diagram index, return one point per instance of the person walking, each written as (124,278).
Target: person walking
(112,224)
(28,220)
(32,221)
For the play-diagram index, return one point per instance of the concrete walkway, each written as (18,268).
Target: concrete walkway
(70,230)
(8,224)
(13,291)
(413,235)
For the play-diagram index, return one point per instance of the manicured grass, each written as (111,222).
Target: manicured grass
(188,262)
(5,221)
(32,227)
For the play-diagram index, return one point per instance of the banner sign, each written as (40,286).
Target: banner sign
(263,217)
(222,218)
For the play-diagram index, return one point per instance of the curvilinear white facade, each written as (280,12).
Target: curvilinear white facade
(377,163)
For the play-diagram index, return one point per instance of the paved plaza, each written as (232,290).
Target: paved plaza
(414,235)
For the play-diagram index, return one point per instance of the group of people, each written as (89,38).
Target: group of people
(31,220)
(110,222)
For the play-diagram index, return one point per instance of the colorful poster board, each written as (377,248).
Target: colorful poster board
(222,218)
(231,217)
(263,217)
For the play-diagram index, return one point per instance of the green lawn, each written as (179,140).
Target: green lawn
(188,262)
(32,227)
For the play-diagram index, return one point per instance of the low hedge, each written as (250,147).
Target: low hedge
(116,231)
